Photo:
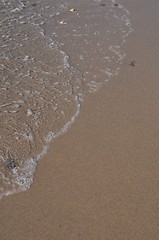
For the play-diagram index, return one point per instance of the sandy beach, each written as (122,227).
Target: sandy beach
(99,181)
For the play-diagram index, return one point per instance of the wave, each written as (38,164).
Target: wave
(52,55)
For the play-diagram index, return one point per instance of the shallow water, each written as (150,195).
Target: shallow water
(53,53)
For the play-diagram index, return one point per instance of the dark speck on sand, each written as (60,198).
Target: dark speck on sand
(12,164)
(132,64)
(102,4)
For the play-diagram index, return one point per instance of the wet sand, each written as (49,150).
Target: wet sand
(100,180)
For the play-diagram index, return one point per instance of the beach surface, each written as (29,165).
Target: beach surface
(100,180)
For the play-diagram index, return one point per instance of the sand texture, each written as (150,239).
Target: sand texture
(100,180)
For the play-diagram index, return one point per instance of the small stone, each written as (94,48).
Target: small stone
(13,111)
(26,58)
(63,22)
(29,112)
(102,4)
(12,164)
(116,5)
(17,106)
(132,64)
(72,10)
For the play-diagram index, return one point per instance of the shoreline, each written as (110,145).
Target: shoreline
(45,109)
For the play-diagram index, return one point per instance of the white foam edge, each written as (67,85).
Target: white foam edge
(26,178)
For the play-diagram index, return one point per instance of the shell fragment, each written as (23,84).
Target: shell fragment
(72,10)
(63,22)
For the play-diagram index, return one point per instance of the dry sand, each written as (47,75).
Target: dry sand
(100,180)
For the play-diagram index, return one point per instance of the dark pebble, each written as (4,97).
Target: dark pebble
(12,164)
(132,64)
(34,4)
(116,5)
(102,4)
